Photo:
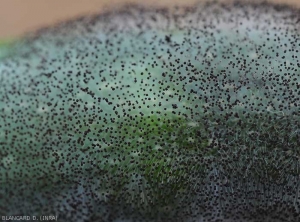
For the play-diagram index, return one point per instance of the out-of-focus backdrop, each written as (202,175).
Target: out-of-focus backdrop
(18,17)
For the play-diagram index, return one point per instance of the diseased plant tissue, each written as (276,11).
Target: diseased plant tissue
(180,114)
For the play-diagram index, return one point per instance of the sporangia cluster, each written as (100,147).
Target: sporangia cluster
(143,114)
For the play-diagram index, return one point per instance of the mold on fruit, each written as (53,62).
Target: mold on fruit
(155,114)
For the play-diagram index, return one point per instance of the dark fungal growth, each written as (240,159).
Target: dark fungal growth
(182,114)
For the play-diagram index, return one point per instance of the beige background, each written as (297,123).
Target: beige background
(20,16)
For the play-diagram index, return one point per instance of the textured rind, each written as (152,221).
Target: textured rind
(164,115)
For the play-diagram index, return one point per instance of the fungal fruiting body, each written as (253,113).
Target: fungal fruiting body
(182,114)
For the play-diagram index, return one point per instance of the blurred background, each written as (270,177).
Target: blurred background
(18,17)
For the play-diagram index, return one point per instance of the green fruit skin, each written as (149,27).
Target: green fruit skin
(64,129)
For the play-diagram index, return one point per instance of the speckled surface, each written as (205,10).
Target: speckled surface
(190,114)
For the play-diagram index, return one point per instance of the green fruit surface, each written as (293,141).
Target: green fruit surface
(98,115)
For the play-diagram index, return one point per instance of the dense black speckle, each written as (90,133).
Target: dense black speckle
(183,114)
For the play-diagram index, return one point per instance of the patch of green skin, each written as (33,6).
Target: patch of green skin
(5,48)
(5,43)
(155,160)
